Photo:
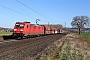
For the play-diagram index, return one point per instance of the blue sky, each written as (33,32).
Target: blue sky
(52,11)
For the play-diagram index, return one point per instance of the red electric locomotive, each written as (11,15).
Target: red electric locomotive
(25,29)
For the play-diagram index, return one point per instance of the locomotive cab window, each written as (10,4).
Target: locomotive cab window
(19,25)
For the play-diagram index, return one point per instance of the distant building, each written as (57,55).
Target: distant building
(5,29)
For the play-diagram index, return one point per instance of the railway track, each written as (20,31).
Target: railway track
(21,49)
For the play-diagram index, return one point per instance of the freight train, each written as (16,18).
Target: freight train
(25,29)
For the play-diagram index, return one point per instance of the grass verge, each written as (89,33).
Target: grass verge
(73,49)
(5,33)
(85,36)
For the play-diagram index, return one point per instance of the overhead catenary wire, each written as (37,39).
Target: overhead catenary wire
(16,11)
(31,8)
(34,5)
(37,8)
(17,6)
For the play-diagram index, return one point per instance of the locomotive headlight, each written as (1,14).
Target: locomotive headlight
(15,29)
(21,30)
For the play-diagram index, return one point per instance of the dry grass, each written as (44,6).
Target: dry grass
(74,49)
(1,38)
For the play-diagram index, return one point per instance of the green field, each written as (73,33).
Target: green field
(5,33)
(85,36)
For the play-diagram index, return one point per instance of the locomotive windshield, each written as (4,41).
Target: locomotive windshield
(19,25)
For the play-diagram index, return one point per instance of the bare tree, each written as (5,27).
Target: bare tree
(80,22)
